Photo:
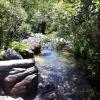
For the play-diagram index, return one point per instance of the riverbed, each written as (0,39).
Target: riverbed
(60,78)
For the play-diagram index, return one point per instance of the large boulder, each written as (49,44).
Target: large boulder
(10,54)
(9,98)
(26,87)
(35,46)
(18,78)
(34,42)
(21,63)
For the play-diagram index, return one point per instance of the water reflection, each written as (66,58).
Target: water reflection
(58,81)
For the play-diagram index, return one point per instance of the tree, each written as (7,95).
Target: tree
(11,16)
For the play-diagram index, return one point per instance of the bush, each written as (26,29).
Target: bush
(20,47)
(1,54)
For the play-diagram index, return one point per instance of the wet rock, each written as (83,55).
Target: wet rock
(53,96)
(44,89)
(27,54)
(16,70)
(18,79)
(10,54)
(25,87)
(10,80)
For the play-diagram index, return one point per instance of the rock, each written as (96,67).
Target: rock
(10,54)
(27,54)
(9,98)
(53,96)
(14,78)
(21,74)
(16,70)
(49,96)
(18,78)
(48,88)
(34,42)
(22,63)
(26,86)
(1,91)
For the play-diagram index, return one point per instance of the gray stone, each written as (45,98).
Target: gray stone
(34,42)
(21,63)
(9,98)
(18,78)
(21,88)
(16,70)
(14,77)
(10,54)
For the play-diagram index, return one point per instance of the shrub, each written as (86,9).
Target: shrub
(20,47)
(1,54)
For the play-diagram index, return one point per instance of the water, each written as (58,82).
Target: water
(59,79)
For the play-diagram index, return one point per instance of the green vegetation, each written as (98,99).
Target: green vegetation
(20,47)
(1,55)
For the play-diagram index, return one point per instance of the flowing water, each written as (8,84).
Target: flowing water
(59,79)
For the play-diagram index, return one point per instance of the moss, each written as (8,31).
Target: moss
(20,47)
(1,54)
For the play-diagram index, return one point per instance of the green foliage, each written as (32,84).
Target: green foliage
(1,54)
(78,22)
(25,27)
(11,16)
(45,40)
(20,47)
(86,32)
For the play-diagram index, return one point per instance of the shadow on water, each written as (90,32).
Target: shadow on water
(59,80)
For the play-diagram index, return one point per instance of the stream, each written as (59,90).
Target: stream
(59,79)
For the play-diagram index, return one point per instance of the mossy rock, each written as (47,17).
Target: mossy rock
(19,47)
(23,49)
